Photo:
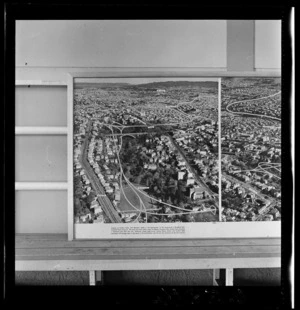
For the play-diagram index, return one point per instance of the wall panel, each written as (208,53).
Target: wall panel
(41,158)
(119,43)
(240,45)
(41,106)
(267,44)
(47,208)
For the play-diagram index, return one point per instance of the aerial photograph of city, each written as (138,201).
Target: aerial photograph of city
(251,149)
(146,151)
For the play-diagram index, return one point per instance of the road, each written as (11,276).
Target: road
(257,115)
(103,200)
(259,217)
(137,190)
(127,134)
(248,187)
(197,178)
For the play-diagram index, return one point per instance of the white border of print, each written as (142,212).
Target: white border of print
(184,230)
(191,230)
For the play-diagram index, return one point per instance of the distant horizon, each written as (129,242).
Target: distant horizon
(78,82)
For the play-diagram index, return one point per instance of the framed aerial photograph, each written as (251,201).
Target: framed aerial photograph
(158,156)
(251,149)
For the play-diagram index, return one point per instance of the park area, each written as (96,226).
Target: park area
(132,197)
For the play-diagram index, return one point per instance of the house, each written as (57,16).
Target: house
(190,181)
(117,195)
(180,175)
(268,217)
(109,190)
(196,195)
(190,175)
(152,167)
(94,203)
(181,163)
(97,209)
(99,219)
(78,166)
(88,189)
(128,216)
(262,209)
(86,217)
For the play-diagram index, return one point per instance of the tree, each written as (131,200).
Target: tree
(91,197)
(77,180)
(83,204)
(77,205)
(78,191)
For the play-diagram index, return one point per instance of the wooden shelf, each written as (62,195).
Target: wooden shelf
(26,130)
(36,252)
(43,186)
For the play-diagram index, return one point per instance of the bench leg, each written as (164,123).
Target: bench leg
(99,277)
(92,276)
(229,277)
(216,277)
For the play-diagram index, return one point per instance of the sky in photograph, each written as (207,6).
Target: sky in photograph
(139,80)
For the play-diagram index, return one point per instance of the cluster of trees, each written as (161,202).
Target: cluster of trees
(164,218)
(189,217)
(162,182)
(81,204)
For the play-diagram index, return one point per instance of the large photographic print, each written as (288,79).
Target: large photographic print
(251,149)
(145,150)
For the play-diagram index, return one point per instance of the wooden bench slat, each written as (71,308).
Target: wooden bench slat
(84,257)
(32,241)
(55,252)
(147,264)
(38,236)
(216,250)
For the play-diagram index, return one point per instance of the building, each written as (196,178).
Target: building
(190,181)
(117,195)
(97,209)
(180,175)
(85,218)
(99,219)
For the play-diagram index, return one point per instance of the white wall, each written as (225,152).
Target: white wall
(240,45)
(47,50)
(152,43)
(267,44)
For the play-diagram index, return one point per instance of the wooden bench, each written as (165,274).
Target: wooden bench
(53,252)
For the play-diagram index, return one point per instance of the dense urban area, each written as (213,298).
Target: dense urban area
(146,153)
(251,149)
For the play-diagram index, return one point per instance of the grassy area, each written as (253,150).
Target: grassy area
(133,198)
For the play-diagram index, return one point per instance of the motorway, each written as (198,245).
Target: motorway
(103,200)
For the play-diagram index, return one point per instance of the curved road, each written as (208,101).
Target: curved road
(257,115)
(136,190)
